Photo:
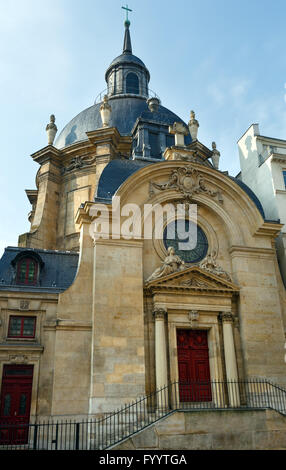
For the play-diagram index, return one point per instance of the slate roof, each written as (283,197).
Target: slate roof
(125,111)
(126,58)
(250,193)
(118,171)
(57,273)
(114,175)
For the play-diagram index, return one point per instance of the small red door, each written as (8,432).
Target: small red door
(15,404)
(193,361)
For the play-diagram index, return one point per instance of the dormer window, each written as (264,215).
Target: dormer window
(27,267)
(132,83)
(27,271)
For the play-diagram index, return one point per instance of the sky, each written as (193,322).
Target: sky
(224,59)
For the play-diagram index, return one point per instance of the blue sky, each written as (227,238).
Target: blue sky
(225,59)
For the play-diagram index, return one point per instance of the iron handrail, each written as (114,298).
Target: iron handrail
(150,93)
(104,432)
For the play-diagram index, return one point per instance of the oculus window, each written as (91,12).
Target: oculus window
(172,236)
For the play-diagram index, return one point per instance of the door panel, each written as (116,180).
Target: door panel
(193,362)
(15,404)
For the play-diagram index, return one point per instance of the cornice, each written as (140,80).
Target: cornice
(279,157)
(250,250)
(269,229)
(201,149)
(47,154)
(68,325)
(21,348)
(190,290)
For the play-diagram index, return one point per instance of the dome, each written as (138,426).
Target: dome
(126,59)
(125,112)
(127,90)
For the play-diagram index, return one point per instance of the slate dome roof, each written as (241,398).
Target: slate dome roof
(126,58)
(126,108)
(125,111)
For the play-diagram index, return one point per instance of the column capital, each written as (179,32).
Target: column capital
(226,317)
(159,313)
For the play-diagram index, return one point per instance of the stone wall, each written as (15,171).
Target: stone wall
(213,430)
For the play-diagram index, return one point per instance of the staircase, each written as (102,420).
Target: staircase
(104,433)
(228,395)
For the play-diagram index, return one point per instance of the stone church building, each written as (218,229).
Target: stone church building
(89,323)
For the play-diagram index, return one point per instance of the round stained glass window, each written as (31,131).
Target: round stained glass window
(188,240)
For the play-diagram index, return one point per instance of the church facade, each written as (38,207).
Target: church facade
(88,322)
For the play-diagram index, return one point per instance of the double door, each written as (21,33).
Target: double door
(15,404)
(193,363)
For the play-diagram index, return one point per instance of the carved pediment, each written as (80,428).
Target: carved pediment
(193,279)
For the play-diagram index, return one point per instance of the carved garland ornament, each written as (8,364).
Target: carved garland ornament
(186,180)
(79,162)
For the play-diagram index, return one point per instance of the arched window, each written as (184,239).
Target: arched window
(132,83)
(27,271)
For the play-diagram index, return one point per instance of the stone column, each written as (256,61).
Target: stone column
(161,355)
(230,358)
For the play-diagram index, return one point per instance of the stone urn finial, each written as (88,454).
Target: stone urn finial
(215,156)
(153,104)
(105,112)
(193,126)
(51,130)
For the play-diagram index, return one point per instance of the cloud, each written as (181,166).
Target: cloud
(225,90)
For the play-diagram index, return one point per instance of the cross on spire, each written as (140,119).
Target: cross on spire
(127,10)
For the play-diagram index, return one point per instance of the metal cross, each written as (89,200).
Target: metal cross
(127,10)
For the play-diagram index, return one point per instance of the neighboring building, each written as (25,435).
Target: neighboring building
(88,324)
(263,169)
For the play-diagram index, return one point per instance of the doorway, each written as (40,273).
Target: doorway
(193,364)
(15,404)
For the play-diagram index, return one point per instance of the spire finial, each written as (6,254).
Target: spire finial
(127,22)
(127,47)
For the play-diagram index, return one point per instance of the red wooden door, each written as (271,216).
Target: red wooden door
(193,361)
(15,404)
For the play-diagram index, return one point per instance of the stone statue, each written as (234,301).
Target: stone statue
(193,126)
(105,112)
(215,156)
(171,264)
(209,264)
(51,130)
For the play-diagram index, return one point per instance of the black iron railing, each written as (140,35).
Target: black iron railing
(105,432)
